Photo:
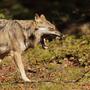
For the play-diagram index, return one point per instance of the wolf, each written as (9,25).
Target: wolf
(18,35)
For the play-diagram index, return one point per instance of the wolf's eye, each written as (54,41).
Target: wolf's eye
(51,29)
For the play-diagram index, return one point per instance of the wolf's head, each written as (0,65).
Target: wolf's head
(43,26)
(40,27)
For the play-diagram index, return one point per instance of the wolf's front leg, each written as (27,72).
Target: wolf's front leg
(18,61)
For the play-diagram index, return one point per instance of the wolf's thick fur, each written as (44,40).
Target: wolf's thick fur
(17,35)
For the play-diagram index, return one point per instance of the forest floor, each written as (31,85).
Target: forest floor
(58,68)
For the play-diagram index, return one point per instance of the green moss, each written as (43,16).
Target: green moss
(72,46)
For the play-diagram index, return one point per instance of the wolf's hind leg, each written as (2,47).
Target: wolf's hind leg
(18,61)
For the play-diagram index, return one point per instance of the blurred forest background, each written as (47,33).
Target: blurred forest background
(60,12)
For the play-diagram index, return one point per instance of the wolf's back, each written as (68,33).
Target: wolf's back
(11,35)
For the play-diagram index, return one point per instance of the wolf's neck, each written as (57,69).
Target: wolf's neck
(28,37)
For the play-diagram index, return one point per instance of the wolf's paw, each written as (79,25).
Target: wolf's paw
(25,79)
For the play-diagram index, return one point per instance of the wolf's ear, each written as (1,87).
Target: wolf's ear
(36,16)
(43,17)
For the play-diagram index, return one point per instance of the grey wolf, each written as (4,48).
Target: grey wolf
(18,35)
